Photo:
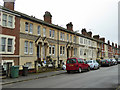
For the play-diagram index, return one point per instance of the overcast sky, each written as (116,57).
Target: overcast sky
(98,16)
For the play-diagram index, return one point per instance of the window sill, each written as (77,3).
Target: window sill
(7,27)
(6,52)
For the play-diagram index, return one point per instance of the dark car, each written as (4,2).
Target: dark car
(106,62)
(76,64)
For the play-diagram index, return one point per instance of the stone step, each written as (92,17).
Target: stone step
(2,77)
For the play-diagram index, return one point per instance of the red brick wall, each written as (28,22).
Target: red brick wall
(13,32)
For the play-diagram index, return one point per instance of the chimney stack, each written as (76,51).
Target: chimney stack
(9,4)
(108,42)
(48,17)
(90,34)
(70,26)
(115,45)
(96,37)
(102,39)
(112,44)
(83,31)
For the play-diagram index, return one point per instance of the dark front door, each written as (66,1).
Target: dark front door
(38,51)
(67,52)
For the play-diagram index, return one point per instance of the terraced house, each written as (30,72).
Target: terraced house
(26,39)
(9,35)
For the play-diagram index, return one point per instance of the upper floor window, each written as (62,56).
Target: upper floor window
(44,32)
(84,41)
(67,37)
(38,30)
(31,28)
(50,33)
(4,20)
(7,20)
(53,34)
(61,36)
(74,39)
(89,42)
(10,21)
(26,27)
(81,40)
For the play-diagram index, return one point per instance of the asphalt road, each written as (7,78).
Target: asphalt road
(105,77)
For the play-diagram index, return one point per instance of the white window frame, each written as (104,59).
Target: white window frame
(26,27)
(53,33)
(6,47)
(26,47)
(50,33)
(4,19)
(31,47)
(39,30)
(61,37)
(67,37)
(10,22)
(44,32)
(63,50)
(3,44)
(31,28)
(10,45)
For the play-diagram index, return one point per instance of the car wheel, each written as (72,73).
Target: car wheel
(68,71)
(88,69)
(80,70)
(94,68)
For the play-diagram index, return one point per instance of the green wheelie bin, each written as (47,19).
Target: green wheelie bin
(14,71)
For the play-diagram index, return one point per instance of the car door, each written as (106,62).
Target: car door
(85,64)
(81,64)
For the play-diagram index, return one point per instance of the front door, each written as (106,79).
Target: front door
(38,51)
(67,52)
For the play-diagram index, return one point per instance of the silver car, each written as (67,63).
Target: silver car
(93,64)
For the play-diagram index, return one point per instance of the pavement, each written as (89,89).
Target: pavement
(31,77)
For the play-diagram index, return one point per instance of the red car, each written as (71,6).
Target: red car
(76,64)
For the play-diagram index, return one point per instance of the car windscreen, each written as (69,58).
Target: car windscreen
(71,61)
(89,61)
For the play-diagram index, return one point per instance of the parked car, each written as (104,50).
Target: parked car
(106,62)
(118,61)
(93,64)
(114,61)
(76,64)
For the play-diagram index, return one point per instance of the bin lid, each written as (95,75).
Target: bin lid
(25,65)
